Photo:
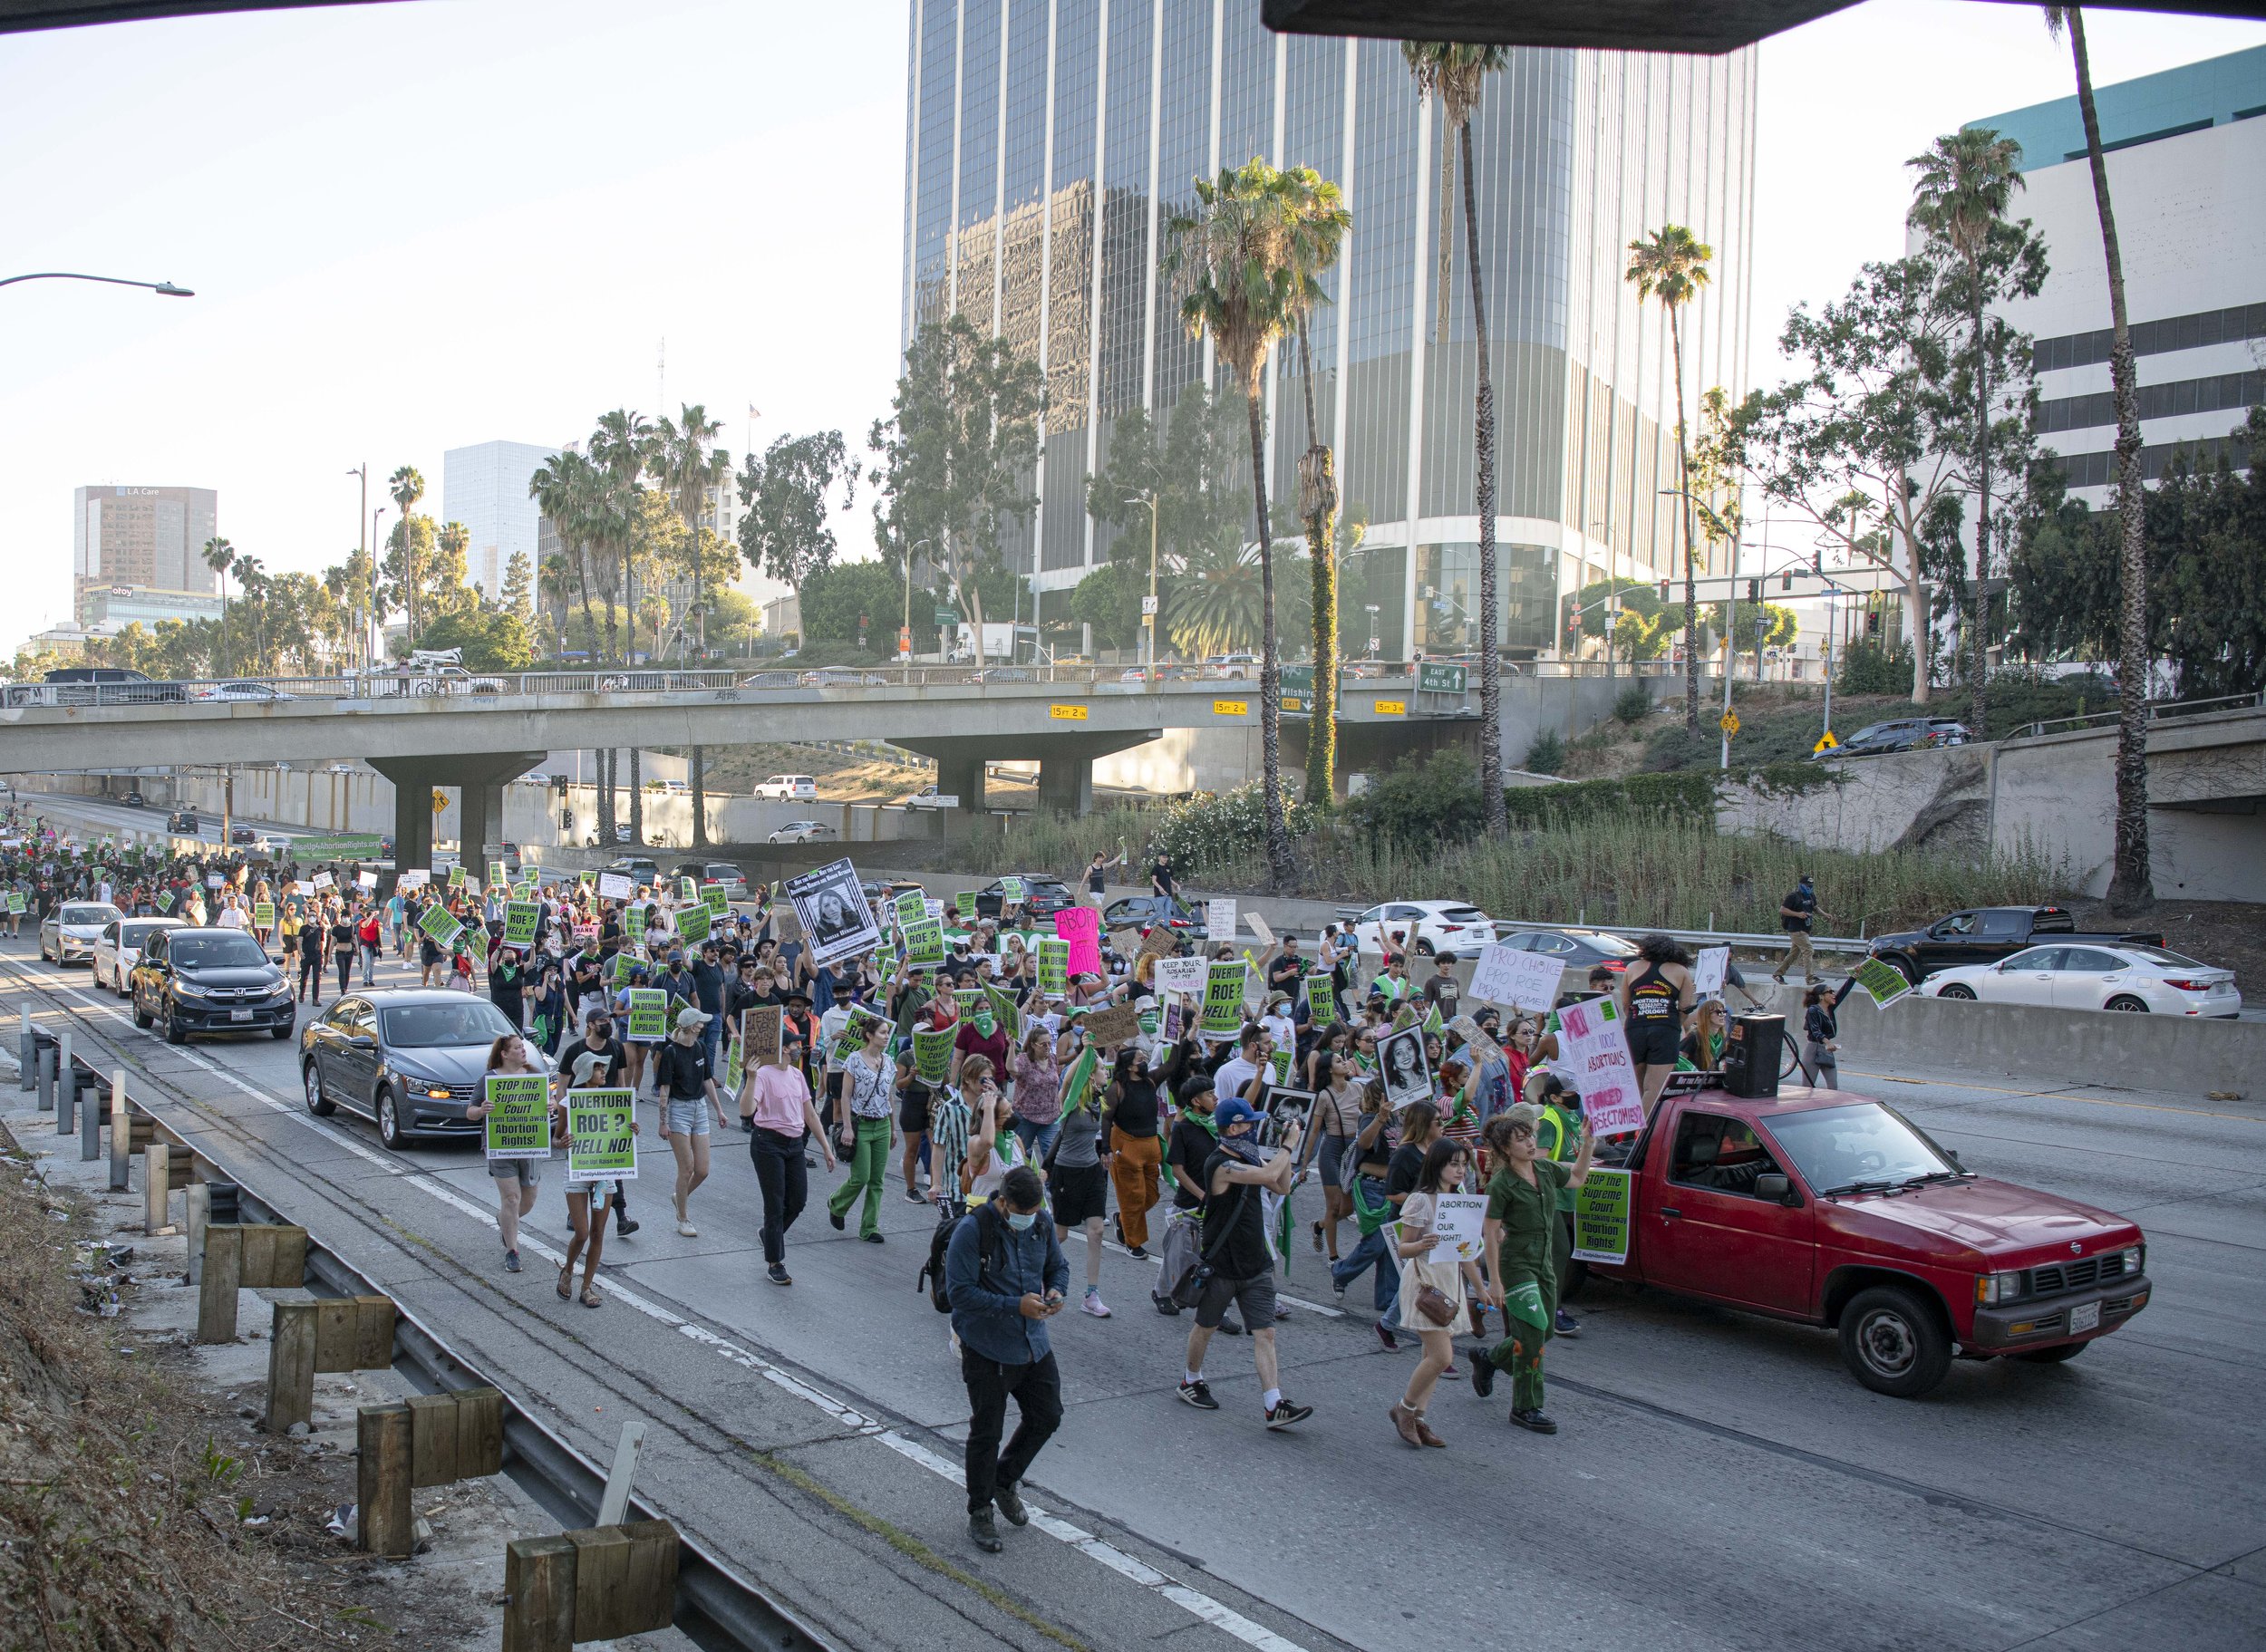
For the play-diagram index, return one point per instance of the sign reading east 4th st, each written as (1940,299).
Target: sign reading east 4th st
(1442,678)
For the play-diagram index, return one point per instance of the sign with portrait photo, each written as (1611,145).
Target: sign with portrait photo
(1400,1063)
(832,910)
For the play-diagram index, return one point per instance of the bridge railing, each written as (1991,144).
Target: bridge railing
(2159,710)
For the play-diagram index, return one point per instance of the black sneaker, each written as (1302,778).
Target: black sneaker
(1010,1503)
(1165,1305)
(625,1227)
(1566,1324)
(984,1531)
(1199,1394)
(1282,1414)
(1385,1336)
(835,1219)
(913,1195)
(511,1261)
(1534,1421)
(777,1274)
(873,1239)
(1482,1373)
(1138,1253)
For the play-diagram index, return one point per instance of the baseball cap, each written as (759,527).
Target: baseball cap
(689,1019)
(1233,1110)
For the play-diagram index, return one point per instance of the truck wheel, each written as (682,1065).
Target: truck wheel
(1894,1341)
(2053,1355)
(1907,968)
(1966,995)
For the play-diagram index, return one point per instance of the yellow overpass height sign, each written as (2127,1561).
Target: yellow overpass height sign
(1392,708)
(1067,714)
(1231,708)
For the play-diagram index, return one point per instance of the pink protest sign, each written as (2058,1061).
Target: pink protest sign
(1594,1044)
(1081,927)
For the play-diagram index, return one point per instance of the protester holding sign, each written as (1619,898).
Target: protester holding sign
(598,1129)
(685,1080)
(776,1099)
(1821,1033)
(1433,1274)
(515,1109)
(1520,1242)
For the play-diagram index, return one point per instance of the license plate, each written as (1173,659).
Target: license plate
(2086,1319)
(239,1015)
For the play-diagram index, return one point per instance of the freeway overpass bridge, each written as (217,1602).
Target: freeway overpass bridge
(476,732)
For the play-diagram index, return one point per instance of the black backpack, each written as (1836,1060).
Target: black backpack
(988,1237)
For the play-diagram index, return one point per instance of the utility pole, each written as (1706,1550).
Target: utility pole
(1730,654)
(377,587)
(362,517)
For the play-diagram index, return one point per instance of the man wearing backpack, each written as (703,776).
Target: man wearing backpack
(1005,1275)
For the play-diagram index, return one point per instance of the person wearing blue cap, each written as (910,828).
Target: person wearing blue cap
(1234,1265)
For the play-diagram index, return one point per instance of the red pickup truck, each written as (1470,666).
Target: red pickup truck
(1832,1209)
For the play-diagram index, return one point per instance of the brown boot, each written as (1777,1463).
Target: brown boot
(1425,1434)
(1405,1421)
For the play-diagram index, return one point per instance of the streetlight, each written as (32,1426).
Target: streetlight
(1373,642)
(1148,614)
(362,470)
(163,289)
(377,596)
(905,637)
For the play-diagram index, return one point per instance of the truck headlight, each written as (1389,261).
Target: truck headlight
(1993,1289)
(2136,1262)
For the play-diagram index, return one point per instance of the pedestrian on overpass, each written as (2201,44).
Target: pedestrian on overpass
(1799,913)
(1005,1277)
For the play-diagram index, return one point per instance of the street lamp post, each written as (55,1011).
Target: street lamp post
(163,289)
(362,470)
(377,593)
(1148,616)
(905,637)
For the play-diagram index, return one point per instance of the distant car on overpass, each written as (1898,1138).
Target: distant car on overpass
(802,831)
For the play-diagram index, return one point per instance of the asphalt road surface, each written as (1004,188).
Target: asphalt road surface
(1719,1482)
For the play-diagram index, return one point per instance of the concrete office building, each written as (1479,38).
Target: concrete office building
(486,489)
(111,609)
(2187,177)
(149,537)
(1048,141)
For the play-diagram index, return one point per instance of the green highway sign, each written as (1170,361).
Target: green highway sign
(1441,679)
(1298,679)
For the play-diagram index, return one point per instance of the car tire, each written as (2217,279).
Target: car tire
(142,1018)
(1905,967)
(176,1029)
(1965,994)
(2053,1355)
(389,1112)
(1894,1341)
(1423,947)
(2125,1003)
(311,1081)
(283,1030)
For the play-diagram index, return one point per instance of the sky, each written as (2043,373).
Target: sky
(419,226)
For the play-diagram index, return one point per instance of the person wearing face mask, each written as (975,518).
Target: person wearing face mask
(1234,1249)
(1136,1149)
(1005,1276)
(1797,914)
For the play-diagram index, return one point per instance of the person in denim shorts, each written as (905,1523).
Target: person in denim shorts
(685,1083)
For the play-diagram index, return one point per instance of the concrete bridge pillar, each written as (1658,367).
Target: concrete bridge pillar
(481,776)
(1066,783)
(960,774)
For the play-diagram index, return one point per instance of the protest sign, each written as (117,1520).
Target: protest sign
(1119,1024)
(1709,967)
(1007,1012)
(910,905)
(456,877)
(831,908)
(1601,1216)
(1219,919)
(323,879)
(414,878)
(519,1121)
(601,1138)
(498,875)
(1400,1059)
(712,896)
(1054,957)
(1594,1043)
(1884,980)
(1458,1219)
(1259,928)
(520,917)
(1321,998)
(633,923)
(925,944)
(1180,975)
(1080,927)
(648,1013)
(17,904)
(1484,1049)
(263,914)
(1516,979)
(1159,940)
(964,904)
(932,1055)
(687,890)
(1223,999)
(614,887)
(440,924)
(1011,891)
(365,879)
(853,1034)
(692,925)
(759,1031)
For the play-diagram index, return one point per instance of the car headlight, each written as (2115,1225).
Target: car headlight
(1993,1289)
(437,1092)
(2135,1260)
(281,989)
(188,989)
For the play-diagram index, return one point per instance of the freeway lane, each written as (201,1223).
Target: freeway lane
(1721,1482)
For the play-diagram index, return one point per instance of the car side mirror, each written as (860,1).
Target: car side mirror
(1773,1185)
(363,1040)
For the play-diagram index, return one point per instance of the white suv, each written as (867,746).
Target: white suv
(790,788)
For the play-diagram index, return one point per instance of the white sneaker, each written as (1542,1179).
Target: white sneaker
(1094,1305)
(688,1230)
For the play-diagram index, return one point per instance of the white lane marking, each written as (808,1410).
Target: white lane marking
(1193,1601)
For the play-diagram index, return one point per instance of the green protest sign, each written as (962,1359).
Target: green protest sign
(439,923)
(1601,1216)
(688,890)
(634,922)
(16,902)
(1321,1000)
(520,917)
(1079,1080)
(263,914)
(164,901)
(852,1037)
(1884,980)
(1008,1013)
(498,876)
(1280,1062)
(648,1013)
(911,905)
(456,877)
(601,1135)
(968,998)
(712,897)
(735,1063)
(925,944)
(1223,999)
(1055,966)
(964,904)
(519,1121)
(931,1054)
(624,962)
(692,924)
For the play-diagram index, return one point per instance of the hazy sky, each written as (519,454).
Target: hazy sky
(415,227)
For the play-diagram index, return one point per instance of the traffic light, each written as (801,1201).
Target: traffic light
(1663,590)
(1754,590)
(1786,583)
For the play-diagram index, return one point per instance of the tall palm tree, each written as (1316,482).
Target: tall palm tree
(1237,245)
(454,542)
(1966,180)
(1456,73)
(2131,887)
(407,487)
(252,583)
(1671,264)
(693,470)
(620,447)
(220,556)
(1319,235)
(565,488)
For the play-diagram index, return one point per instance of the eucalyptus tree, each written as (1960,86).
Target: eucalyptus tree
(1671,265)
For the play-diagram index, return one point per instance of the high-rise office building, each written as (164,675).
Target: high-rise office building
(1049,141)
(151,538)
(486,489)
(2185,153)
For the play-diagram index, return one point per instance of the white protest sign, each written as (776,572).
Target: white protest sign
(1180,975)
(614,887)
(367,880)
(1458,1219)
(323,879)
(1709,970)
(1259,928)
(1514,979)
(1596,1046)
(1219,919)
(213,880)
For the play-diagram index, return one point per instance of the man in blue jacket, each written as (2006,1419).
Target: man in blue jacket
(1005,1275)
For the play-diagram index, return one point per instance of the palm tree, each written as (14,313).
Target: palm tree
(1243,292)
(1456,72)
(620,447)
(407,487)
(453,542)
(1965,183)
(566,489)
(693,469)
(1321,225)
(252,583)
(2131,887)
(1671,264)
(220,556)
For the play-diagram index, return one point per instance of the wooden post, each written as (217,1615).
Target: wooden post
(433,1428)
(625,1579)
(197,1197)
(480,1433)
(157,1187)
(121,1133)
(383,1523)
(539,1595)
(291,1366)
(218,1281)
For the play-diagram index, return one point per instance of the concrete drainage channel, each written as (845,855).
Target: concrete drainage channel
(609,1573)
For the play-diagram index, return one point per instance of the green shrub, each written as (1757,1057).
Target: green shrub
(1686,797)
(1677,747)
(1213,829)
(1431,799)
(1546,756)
(1634,705)
(1867,668)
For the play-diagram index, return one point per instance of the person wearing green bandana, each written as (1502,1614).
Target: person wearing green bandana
(1557,1134)
(1519,1245)
(869,1130)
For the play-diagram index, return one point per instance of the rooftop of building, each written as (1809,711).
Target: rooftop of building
(2168,104)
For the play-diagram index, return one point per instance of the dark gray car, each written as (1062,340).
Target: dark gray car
(409,1059)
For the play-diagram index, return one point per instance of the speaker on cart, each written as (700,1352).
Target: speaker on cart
(1752,1053)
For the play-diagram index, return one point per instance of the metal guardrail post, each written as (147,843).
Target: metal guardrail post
(46,1080)
(121,1134)
(26,1049)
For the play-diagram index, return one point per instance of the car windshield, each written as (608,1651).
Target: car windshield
(1838,1149)
(2156,954)
(233,951)
(428,1026)
(89,911)
(134,935)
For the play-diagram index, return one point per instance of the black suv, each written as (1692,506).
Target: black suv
(183,821)
(205,981)
(1042,898)
(1901,734)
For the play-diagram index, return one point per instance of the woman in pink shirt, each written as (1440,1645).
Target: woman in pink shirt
(775,1099)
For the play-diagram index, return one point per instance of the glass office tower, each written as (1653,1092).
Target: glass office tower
(1048,142)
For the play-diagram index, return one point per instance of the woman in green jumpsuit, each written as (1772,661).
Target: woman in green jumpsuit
(1519,1246)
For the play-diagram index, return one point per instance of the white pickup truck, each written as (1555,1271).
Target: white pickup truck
(929,797)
